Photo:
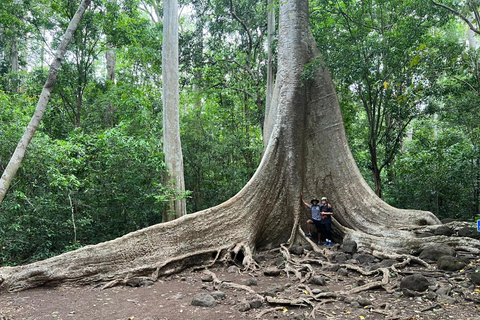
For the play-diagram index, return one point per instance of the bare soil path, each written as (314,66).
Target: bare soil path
(171,298)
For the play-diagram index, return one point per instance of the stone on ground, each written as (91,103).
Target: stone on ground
(449,263)
(204,300)
(350,247)
(415,282)
(433,251)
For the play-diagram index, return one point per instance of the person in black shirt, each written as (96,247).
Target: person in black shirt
(326,222)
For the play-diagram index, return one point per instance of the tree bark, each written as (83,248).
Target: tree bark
(14,55)
(270,75)
(17,157)
(307,152)
(111,62)
(172,146)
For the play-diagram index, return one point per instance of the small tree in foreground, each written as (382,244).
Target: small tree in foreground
(307,152)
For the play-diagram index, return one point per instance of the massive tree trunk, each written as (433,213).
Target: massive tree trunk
(172,146)
(17,157)
(307,152)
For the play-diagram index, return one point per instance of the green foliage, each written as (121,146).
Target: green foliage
(111,181)
(436,173)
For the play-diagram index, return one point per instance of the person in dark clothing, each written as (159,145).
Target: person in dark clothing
(326,221)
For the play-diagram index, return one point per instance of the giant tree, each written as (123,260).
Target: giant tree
(307,152)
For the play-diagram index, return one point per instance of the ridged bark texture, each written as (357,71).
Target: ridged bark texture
(307,151)
(172,146)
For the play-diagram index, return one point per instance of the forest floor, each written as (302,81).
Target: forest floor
(171,297)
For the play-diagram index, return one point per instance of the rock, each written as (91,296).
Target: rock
(409,293)
(272,272)
(251,282)
(342,272)
(133,282)
(308,247)
(333,267)
(443,291)
(449,263)
(443,231)
(415,282)
(364,301)
(296,250)
(217,295)
(341,257)
(207,278)
(273,290)
(433,251)
(244,306)
(204,300)
(256,303)
(261,257)
(475,277)
(318,281)
(364,258)
(317,291)
(446,299)
(355,304)
(468,232)
(431,296)
(233,269)
(383,264)
(349,246)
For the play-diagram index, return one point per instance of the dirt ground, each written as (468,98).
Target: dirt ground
(170,298)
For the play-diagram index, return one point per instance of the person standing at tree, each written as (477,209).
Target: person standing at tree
(316,217)
(326,221)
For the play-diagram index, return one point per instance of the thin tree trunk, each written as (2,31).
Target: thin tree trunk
(171,124)
(111,62)
(17,157)
(270,75)
(15,66)
(14,55)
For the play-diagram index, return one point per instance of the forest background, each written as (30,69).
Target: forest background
(406,71)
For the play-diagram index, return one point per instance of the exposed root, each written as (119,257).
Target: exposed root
(219,283)
(394,256)
(288,302)
(248,263)
(316,309)
(261,314)
(111,284)
(372,285)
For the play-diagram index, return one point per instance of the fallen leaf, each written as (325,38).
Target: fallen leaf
(362,317)
(285,310)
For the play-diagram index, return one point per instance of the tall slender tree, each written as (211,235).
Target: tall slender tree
(172,146)
(17,157)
